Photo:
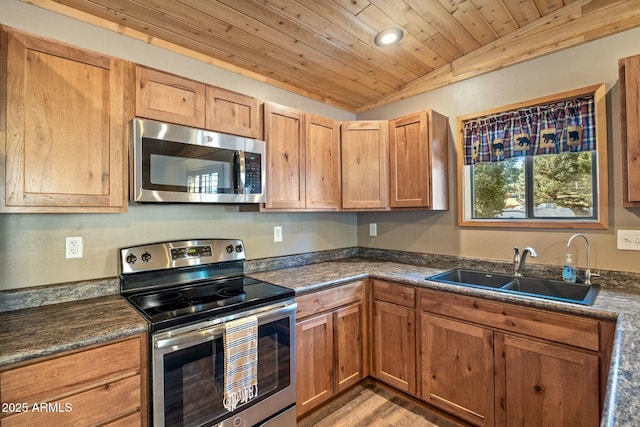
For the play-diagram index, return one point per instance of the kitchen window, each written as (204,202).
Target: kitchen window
(541,163)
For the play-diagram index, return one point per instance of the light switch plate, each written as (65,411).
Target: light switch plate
(373,229)
(629,240)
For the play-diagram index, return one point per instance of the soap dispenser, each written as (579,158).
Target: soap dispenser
(568,270)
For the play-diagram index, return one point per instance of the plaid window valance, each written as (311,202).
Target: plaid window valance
(544,129)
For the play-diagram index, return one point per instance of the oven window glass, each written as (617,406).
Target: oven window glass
(187,168)
(194,376)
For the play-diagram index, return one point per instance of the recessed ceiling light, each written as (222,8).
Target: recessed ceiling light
(389,37)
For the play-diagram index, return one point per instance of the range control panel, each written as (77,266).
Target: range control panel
(183,253)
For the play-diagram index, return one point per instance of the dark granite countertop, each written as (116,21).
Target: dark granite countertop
(622,402)
(40,331)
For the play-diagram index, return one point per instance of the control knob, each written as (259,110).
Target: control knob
(131,259)
(239,248)
(229,249)
(146,257)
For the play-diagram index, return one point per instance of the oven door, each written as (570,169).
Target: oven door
(188,372)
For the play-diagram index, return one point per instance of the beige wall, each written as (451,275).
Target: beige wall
(431,232)
(32,246)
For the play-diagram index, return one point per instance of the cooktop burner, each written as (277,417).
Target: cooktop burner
(209,294)
(175,283)
(166,308)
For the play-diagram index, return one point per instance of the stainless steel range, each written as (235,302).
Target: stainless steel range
(188,291)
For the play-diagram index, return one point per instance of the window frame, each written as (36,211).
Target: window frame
(601,221)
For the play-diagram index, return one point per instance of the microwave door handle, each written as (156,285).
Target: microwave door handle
(239,171)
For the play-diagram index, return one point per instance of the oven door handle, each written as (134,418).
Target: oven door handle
(195,336)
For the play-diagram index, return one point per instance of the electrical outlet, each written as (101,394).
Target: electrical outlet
(373,229)
(277,233)
(629,240)
(73,247)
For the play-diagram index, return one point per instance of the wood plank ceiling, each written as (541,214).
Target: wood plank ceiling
(324,49)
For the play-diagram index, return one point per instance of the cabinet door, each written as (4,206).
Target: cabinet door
(284,134)
(349,346)
(322,163)
(231,112)
(394,341)
(169,98)
(408,163)
(457,368)
(65,139)
(630,129)
(541,384)
(365,164)
(314,362)
(418,161)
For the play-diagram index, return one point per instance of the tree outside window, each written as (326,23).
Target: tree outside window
(559,186)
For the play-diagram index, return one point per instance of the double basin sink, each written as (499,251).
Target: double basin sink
(528,286)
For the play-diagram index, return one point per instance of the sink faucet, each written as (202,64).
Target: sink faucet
(518,261)
(587,272)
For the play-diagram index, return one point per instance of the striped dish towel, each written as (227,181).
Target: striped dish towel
(241,361)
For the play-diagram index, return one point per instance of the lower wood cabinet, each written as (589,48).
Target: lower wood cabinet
(103,385)
(349,324)
(330,344)
(493,363)
(543,384)
(314,361)
(457,368)
(394,335)
(486,362)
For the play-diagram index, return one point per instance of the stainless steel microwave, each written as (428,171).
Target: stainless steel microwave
(176,164)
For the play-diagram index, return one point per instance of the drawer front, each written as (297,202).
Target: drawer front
(394,293)
(91,407)
(318,302)
(563,328)
(61,375)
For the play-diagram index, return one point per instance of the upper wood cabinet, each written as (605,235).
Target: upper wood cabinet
(322,163)
(284,132)
(64,133)
(418,161)
(630,129)
(231,112)
(169,98)
(365,165)
(303,154)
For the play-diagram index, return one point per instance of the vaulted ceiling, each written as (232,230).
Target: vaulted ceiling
(324,49)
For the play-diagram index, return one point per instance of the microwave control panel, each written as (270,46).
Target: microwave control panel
(253,174)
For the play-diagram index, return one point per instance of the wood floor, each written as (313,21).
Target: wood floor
(371,405)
